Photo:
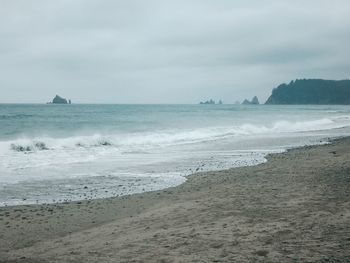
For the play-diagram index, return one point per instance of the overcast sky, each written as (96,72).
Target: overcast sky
(158,51)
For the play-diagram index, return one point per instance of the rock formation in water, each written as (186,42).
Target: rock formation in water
(211,101)
(254,101)
(311,91)
(60,100)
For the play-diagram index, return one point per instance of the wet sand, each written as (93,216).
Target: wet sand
(294,208)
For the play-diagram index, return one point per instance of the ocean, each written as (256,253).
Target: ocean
(58,153)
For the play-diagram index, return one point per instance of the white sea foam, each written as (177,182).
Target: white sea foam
(104,160)
(142,141)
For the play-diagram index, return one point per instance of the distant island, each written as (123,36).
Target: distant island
(211,101)
(254,101)
(312,91)
(59,100)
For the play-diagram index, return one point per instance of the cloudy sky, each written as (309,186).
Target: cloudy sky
(159,51)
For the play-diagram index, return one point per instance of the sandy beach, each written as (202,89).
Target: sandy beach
(293,208)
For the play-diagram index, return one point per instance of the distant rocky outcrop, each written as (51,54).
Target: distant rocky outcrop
(59,100)
(211,101)
(311,91)
(254,101)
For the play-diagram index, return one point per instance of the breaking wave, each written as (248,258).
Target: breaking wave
(29,147)
(172,137)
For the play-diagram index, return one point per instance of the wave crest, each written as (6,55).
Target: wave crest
(126,142)
(40,146)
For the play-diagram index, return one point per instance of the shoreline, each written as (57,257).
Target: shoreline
(236,201)
(88,193)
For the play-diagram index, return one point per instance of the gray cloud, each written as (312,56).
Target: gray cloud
(167,51)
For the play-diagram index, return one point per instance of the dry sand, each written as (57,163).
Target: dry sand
(294,208)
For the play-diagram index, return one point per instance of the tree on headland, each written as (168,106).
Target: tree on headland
(311,91)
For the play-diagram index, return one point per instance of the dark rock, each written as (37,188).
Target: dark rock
(254,101)
(41,146)
(59,100)
(211,101)
(20,148)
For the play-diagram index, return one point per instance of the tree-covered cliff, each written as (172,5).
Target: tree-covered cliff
(311,91)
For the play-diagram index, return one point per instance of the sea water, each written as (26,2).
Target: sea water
(58,153)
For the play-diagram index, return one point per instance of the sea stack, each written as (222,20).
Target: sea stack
(254,101)
(59,100)
(211,101)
